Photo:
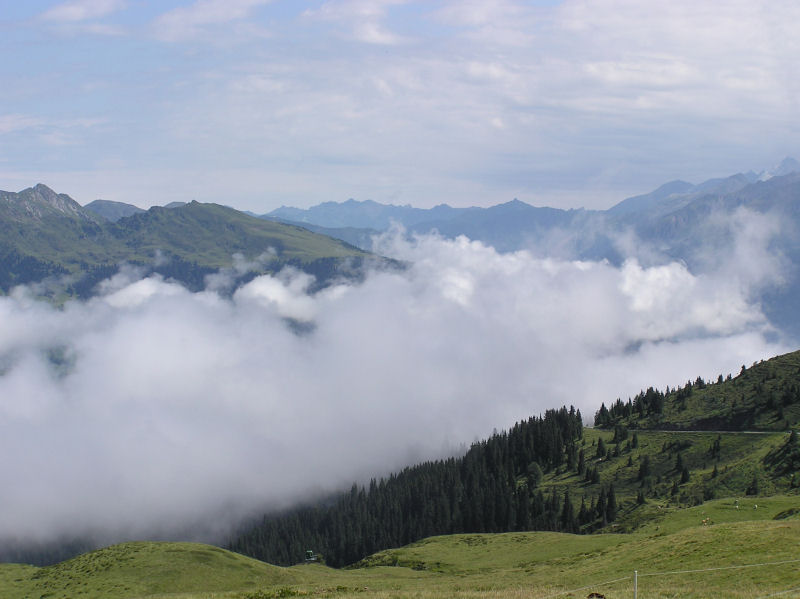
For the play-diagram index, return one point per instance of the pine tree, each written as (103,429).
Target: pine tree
(601,448)
(685,475)
(568,521)
(595,475)
(644,468)
(535,475)
(611,506)
(678,462)
(600,507)
(753,488)
(584,516)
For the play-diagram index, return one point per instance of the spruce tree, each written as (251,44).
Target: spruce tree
(753,488)
(644,467)
(611,506)
(678,462)
(601,448)
(685,475)
(568,520)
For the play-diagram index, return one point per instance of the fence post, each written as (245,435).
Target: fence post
(636,584)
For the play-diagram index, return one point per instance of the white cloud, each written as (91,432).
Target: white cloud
(663,302)
(186,22)
(139,292)
(648,73)
(366,19)
(83,10)
(287,295)
(174,407)
(49,132)
(18,122)
(501,23)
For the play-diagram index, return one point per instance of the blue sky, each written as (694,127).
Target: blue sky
(259,103)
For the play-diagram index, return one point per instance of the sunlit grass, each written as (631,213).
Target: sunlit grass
(677,557)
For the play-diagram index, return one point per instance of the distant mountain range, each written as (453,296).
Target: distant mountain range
(43,233)
(112,211)
(516,225)
(678,221)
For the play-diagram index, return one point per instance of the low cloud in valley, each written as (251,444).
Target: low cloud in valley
(149,408)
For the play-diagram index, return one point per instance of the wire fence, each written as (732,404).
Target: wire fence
(636,575)
(779,593)
(786,561)
(591,586)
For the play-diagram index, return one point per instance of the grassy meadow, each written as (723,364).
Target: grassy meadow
(711,541)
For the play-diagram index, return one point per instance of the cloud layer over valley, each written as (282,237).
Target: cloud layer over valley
(150,408)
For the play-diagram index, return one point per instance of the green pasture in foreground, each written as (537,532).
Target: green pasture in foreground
(530,565)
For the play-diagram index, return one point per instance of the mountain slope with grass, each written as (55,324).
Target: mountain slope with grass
(45,234)
(210,234)
(764,397)
(614,484)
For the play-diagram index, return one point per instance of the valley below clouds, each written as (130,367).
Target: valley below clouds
(149,409)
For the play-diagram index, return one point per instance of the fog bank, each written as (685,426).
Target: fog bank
(150,407)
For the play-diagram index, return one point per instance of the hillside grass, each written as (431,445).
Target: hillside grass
(706,544)
(668,532)
(738,462)
(142,569)
(762,396)
(210,234)
(756,392)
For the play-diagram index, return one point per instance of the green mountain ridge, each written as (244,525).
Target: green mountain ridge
(47,234)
